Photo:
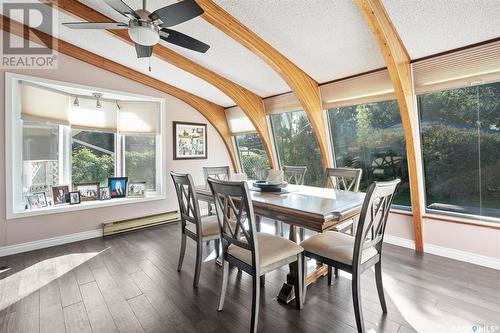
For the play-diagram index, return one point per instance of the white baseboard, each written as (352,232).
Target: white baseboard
(446,252)
(43,243)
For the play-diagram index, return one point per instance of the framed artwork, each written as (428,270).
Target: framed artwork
(104,193)
(36,200)
(137,189)
(190,141)
(60,194)
(88,191)
(74,198)
(118,187)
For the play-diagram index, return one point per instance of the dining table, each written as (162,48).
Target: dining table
(314,208)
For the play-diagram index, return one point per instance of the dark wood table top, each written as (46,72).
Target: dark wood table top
(311,207)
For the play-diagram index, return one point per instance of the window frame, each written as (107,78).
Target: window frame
(14,152)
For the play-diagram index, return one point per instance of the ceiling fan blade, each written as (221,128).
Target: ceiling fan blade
(177,13)
(143,51)
(122,8)
(180,39)
(96,25)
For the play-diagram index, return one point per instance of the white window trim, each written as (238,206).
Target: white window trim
(14,151)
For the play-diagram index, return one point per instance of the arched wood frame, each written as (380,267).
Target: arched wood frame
(249,102)
(214,113)
(398,63)
(304,87)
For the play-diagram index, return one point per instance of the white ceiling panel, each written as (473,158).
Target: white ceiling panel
(225,56)
(328,39)
(432,26)
(106,45)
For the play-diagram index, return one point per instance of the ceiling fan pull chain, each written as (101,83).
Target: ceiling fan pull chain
(149,64)
(144,4)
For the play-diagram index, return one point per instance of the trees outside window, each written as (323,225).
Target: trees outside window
(140,160)
(297,145)
(460,131)
(370,137)
(253,157)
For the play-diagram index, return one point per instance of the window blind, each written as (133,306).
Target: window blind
(238,121)
(463,68)
(139,118)
(369,88)
(88,116)
(42,104)
(282,103)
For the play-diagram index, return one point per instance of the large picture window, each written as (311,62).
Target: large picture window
(297,145)
(461,149)
(252,155)
(370,137)
(140,159)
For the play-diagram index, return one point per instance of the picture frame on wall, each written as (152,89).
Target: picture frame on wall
(118,187)
(60,194)
(137,189)
(190,141)
(88,191)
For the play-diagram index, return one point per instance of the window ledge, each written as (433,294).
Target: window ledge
(83,206)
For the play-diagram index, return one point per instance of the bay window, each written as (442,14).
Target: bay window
(58,139)
(252,155)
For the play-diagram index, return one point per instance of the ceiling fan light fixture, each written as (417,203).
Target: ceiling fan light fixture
(144,33)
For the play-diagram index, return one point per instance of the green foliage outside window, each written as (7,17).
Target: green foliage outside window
(88,167)
(253,157)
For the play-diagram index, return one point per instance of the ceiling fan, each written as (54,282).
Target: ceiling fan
(146,29)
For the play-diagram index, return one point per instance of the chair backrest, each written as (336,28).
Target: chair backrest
(346,179)
(188,201)
(219,173)
(373,217)
(294,174)
(236,217)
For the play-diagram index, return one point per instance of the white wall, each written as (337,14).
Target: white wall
(30,229)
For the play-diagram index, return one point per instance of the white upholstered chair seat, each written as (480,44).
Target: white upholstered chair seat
(336,246)
(274,251)
(209,226)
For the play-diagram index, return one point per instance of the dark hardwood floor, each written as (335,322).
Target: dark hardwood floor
(129,283)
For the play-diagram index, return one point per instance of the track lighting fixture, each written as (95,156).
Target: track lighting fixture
(76,102)
(98,100)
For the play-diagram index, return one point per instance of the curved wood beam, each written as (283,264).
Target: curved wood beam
(249,102)
(214,113)
(304,87)
(398,63)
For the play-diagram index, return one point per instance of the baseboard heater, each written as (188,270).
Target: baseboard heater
(113,228)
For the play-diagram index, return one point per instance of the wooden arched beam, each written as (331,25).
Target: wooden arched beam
(214,113)
(251,104)
(304,87)
(397,60)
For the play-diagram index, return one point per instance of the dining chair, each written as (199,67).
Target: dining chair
(218,172)
(292,175)
(256,253)
(356,254)
(199,228)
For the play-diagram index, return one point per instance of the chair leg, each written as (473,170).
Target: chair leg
(380,286)
(329,275)
(262,280)
(217,248)
(356,299)
(225,278)
(302,234)
(183,251)
(298,276)
(255,304)
(336,272)
(304,277)
(199,255)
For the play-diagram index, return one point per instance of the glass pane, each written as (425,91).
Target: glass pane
(370,137)
(461,149)
(296,145)
(253,157)
(93,156)
(40,155)
(140,160)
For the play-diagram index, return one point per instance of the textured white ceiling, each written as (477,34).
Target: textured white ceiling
(225,56)
(106,45)
(328,39)
(432,26)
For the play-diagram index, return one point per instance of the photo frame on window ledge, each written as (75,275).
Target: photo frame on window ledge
(190,141)
(118,187)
